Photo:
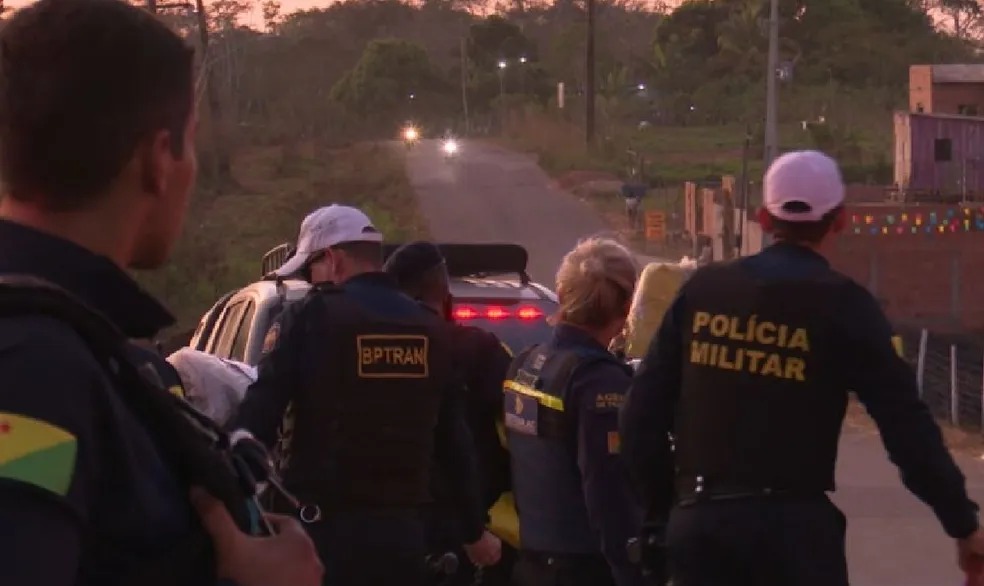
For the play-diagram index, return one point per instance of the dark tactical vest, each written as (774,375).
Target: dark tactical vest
(760,405)
(542,434)
(364,421)
(194,447)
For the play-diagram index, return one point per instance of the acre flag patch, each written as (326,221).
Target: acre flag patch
(36,452)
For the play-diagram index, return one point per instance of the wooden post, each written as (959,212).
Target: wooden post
(954,387)
(921,360)
(222,164)
(728,217)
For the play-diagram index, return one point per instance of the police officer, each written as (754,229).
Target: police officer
(750,371)
(97,124)
(315,268)
(576,509)
(361,377)
(421,272)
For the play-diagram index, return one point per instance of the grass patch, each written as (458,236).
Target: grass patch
(674,154)
(227,233)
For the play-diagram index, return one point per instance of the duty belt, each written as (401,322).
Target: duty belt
(694,490)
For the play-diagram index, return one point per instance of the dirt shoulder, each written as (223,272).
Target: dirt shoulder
(958,440)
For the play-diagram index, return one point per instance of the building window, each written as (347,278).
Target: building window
(942,150)
(967,109)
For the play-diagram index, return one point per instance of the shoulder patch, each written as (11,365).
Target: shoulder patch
(604,401)
(614,442)
(36,452)
(178,391)
(272,335)
(897,344)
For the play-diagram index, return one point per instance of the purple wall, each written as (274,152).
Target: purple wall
(966,164)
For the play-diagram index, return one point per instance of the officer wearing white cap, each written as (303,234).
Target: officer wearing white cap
(360,378)
(749,373)
(322,229)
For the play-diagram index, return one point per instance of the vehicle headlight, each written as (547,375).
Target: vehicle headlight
(450,147)
(410,134)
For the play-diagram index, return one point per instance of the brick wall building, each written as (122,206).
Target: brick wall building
(923,262)
(947,89)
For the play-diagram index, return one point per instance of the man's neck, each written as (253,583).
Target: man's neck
(90,229)
(355,273)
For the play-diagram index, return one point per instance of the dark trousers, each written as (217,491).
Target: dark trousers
(777,541)
(535,569)
(371,548)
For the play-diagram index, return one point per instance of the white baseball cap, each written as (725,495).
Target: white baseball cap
(803,186)
(326,227)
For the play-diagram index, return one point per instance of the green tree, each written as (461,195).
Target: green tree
(388,82)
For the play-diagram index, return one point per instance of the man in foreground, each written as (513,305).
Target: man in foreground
(97,155)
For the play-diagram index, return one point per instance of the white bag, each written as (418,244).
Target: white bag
(215,386)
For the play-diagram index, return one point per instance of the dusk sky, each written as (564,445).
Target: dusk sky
(256,20)
(288,5)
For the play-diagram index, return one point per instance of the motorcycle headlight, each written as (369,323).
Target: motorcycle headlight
(450,147)
(410,134)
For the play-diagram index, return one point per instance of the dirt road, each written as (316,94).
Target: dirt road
(492,195)
(487,194)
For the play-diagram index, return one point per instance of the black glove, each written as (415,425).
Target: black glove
(649,551)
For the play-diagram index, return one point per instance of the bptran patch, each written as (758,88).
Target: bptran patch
(393,356)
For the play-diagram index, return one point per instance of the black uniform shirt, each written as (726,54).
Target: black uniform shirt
(74,461)
(870,366)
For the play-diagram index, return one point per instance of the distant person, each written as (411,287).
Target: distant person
(360,379)
(98,463)
(633,194)
(577,510)
(421,272)
(750,372)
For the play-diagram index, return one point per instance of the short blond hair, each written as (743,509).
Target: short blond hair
(595,282)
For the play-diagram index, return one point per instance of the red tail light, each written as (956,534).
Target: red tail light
(465,313)
(495,313)
(529,313)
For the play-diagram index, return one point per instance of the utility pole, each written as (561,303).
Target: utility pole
(589,85)
(464,85)
(771,98)
(772,81)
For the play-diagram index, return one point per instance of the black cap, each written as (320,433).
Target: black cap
(409,262)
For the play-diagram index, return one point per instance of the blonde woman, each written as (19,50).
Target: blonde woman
(576,510)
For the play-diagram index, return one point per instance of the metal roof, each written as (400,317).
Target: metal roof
(958,73)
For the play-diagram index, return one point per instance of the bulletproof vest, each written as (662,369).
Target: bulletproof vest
(195,448)
(542,434)
(365,417)
(759,403)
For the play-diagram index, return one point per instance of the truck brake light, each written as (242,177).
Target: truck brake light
(496,313)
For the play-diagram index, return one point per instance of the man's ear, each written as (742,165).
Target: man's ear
(840,221)
(764,220)
(156,158)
